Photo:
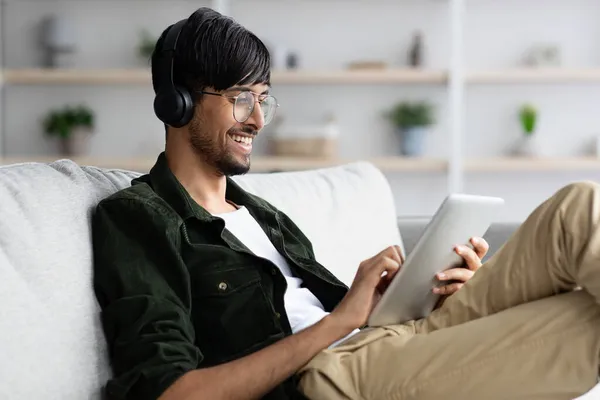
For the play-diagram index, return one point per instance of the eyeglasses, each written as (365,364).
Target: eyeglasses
(243,105)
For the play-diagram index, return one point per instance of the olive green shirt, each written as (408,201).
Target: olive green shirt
(179,292)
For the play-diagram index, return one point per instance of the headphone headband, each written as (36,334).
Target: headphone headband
(168,52)
(173,104)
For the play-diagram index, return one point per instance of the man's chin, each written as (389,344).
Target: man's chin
(236,167)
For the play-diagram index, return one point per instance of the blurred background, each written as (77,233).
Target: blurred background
(478,96)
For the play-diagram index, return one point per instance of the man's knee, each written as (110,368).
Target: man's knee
(580,188)
(575,201)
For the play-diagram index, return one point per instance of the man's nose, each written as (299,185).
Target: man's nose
(257,117)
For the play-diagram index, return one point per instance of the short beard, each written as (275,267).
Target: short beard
(214,152)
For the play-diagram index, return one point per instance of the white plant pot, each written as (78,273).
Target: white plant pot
(529,146)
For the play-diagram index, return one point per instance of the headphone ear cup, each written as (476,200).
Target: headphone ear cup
(165,106)
(187,105)
(174,107)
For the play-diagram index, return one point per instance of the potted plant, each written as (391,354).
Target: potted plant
(412,119)
(72,125)
(528,118)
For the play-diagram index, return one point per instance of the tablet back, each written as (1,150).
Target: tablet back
(459,218)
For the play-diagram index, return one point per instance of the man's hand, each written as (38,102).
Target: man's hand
(367,288)
(461,275)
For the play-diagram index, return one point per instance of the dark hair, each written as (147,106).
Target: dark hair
(215,51)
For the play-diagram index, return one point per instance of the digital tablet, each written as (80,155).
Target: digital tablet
(409,296)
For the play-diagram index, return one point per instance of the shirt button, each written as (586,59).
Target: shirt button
(277,315)
(222,286)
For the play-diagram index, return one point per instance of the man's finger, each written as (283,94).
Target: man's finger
(481,246)
(456,274)
(473,261)
(402,259)
(387,252)
(448,289)
(375,271)
(384,283)
(394,253)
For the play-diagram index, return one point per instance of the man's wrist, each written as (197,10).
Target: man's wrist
(335,327)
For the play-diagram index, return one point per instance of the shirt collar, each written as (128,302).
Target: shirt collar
(167,186)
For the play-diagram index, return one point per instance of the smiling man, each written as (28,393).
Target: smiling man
(210,292)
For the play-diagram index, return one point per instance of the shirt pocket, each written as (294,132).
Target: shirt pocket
(232,314)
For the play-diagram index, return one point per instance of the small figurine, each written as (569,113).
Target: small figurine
(416,51)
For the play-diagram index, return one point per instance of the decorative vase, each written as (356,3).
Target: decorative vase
(76,144)
(58,41)
(412,140)
(528,146)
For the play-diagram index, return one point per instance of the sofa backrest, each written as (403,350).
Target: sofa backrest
(348,212)
(51,340)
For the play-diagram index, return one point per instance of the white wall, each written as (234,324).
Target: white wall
(497,35)
(328,35)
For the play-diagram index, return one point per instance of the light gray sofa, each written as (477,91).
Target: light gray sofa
(51,340)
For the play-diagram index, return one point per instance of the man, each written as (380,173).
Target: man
(209,292)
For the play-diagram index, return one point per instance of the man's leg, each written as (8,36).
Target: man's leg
(496,331)
(556,249)
(546,349)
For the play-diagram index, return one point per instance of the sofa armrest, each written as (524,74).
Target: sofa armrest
(411,229)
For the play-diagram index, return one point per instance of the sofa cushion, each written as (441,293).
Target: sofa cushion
(51,340)
(348,212)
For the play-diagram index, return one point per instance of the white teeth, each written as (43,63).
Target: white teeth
(242,139)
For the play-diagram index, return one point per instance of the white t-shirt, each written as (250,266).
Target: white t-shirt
(302,306)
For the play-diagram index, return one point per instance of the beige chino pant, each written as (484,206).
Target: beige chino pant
(517,330)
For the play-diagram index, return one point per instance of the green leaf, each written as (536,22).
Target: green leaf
(61,122)
(528,118)
(412,114)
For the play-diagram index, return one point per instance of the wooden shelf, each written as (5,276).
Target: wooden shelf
(294,77)
(359,76)
(551,164)
(76,76)
(535,75)
(140,76)
(259,164)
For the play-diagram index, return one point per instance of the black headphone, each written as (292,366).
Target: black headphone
(173,105)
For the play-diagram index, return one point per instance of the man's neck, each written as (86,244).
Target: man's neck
(201,181)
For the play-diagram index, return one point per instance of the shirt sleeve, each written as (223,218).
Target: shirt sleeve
(142,286)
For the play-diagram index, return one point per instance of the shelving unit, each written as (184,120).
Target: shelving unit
(456,79)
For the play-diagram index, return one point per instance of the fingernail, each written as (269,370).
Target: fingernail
(441,275)
(436,290)
(458,249)
(474,241)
